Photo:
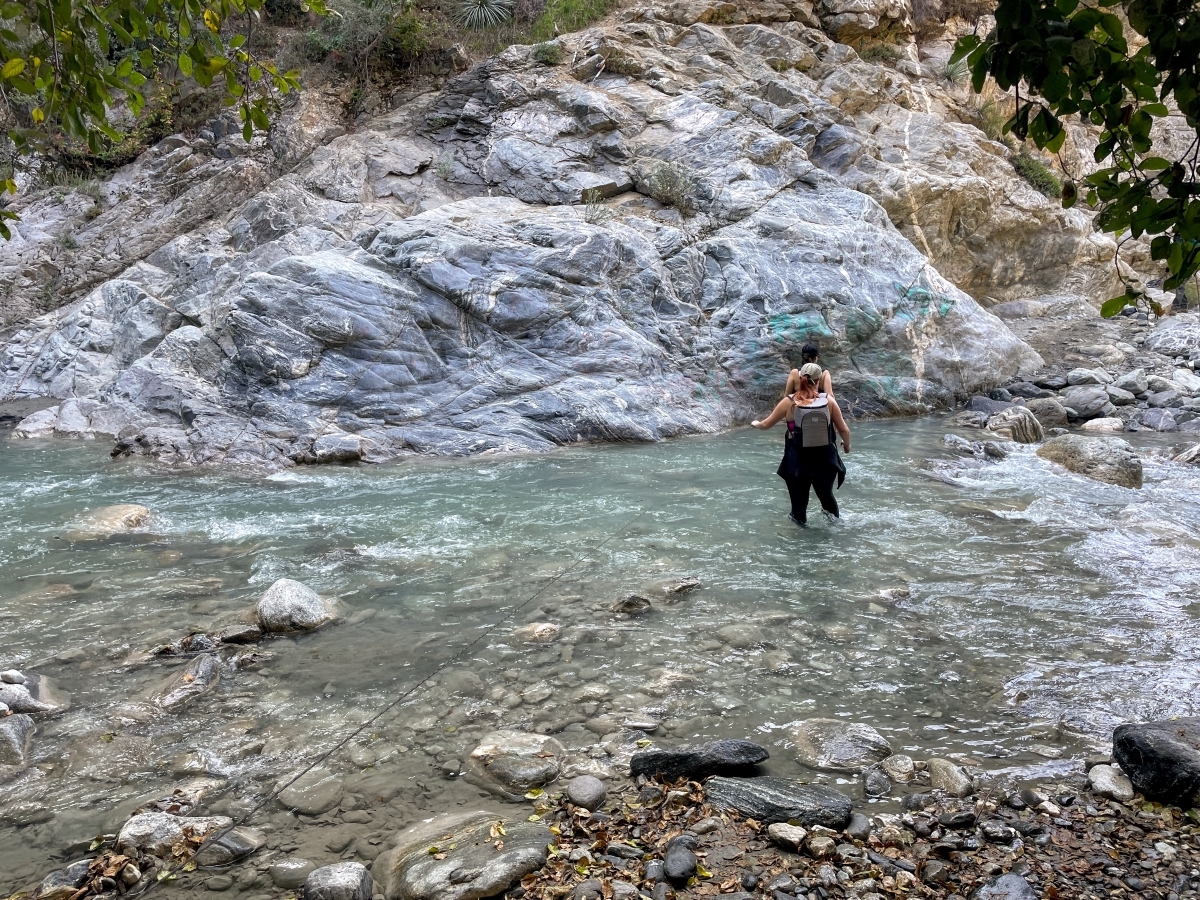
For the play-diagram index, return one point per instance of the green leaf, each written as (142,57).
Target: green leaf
(247,132)
(13,67)
(1112,307)
(185,65)
(124,68)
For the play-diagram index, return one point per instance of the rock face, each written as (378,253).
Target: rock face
(1103,458)
(288,606)
(772,800)
(765,186)
(838,745)
(341,881)
(698,761)
(156,833)
(1162,759)
(16,739)
(475,867)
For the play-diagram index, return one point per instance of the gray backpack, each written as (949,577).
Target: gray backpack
(812,425)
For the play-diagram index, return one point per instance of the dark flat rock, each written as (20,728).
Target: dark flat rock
(1162,759)
(1005,887)
(780,800)
(987,405)
(698,761)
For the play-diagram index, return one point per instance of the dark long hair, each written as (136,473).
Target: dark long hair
(809,353)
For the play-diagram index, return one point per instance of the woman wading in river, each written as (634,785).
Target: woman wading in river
(810,457)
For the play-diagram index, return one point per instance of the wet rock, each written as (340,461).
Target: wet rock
(1017,424)
(522,773)
(1162,759)
(1157,420)
(313,793)
(538,633)
(987,406)
(37,696)
(996,832)
(1088,402)
(683,585)
(772,800)
(1106,459)
(1049,412)
(859,828)
(16,739)
(108,521)
(632,604)
(12,676)
(199,676)
(157,833)
(741,635)
(946,776)
(1005,887)
(475,864)
(240,633)
(288,606)
(515,761)
(1108,781)
(193,643)
(899,767)
(958,819)
(341,881)
(876,783)
(837,745)
(697,761)
(63,883)
(587,791)
(233,845)
(291,873)
(679,862)
(790,836)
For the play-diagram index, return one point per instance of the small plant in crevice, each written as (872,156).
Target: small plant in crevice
(548,54)
(594,210)
(957,73)
(444,166)
(621,64)
(671,184)
(880,53)
(993,115)
(1037,173)
(483,13)
(65,240)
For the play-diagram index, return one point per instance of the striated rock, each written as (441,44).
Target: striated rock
(1162,759)
(1107,459)
(63,884)
(157,833)
(838,745)
(288,606)
(697,761)
(341,881)
(1016,424)
(16,739)
(1109,781)
(108,521)
(772,800)
(36,696)
(946,776)
(475,863)
(198,677)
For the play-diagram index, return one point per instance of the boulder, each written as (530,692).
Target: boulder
(1087,401)
(315,792)
(199,676)
(235,844)
(697,761)
(771,799)
(1016,424)
(16,739)
(108,521)
(1157,420)
(1118,396)
(1162,759)
(1187,381)
(288,606)
(1109,781)
(291,873)
(1106,459)
(37,696)
(1048,411)
(341,881)
(987,405)
(511,762)
(63,884)
(474,863)
(1175,335)
(157,833)
(1010,886)
(1134,382)
(1088,376)
(946,776)
(839,746)
(1103,425)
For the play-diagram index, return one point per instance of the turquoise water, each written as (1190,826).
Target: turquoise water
(1043,609)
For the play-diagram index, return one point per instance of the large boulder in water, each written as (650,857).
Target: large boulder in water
(697,761)
(1162,759)
(469,862)
(772,799)
(1104,458)
(509,762)
(289,606)
(16,739)
(839,746)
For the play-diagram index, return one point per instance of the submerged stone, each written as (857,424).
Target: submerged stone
(838,745)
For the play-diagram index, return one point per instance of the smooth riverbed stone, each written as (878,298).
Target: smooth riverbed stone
(587,791)
(289,606)
(313,793)
(341,881)
(839,746)
(946,776)
(771,799)
(291,873)
(697,761)
(1109,781)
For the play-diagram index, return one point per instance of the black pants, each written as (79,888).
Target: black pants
(821,480)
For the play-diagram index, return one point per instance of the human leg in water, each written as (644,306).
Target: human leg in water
(822,483)
(798,492)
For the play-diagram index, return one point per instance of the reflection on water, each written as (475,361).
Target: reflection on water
(1043,608)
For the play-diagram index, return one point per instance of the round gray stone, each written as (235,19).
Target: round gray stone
(587,791)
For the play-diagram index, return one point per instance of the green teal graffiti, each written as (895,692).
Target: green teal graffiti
(926,302)
(796,328)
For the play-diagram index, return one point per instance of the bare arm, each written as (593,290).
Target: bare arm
(839,423)
(782,408)
(793,383)
(827,385)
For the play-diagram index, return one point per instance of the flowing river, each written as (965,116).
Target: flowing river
(1042,608)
